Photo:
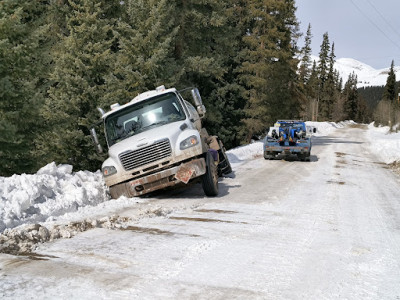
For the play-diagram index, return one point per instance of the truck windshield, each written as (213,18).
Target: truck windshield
(142,116)
(292,125)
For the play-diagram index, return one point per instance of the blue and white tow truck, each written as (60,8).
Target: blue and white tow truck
(288,138)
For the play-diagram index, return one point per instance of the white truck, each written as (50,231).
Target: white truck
(156,141)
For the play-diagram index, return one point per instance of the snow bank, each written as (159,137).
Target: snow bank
(325,128)
(52,191)
(243,153)
(384,144)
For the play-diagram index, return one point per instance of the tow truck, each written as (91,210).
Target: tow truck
(288,138)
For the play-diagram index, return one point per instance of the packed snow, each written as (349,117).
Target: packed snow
(55,195)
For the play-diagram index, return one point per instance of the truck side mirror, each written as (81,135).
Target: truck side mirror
(95,139)
(199,103)
(314,130)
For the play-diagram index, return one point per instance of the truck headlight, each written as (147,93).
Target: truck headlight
(189,142)
(107,171)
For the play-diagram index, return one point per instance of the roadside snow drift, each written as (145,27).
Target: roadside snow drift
(51,192)
(384,144)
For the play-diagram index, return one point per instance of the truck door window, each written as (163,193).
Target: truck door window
(143,116)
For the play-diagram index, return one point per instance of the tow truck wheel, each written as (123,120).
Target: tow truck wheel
(304,156)
(268,156)
(210,178)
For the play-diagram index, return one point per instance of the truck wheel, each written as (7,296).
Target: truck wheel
(210,178)
(268,156)
(308,156)
(224,166)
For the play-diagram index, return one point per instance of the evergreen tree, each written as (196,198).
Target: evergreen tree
(82,62)
(312,90)
(389,93)
(205,52)
(330,92)
(323,71)
(305,62)
(350,93)
(145,35)
(372,95)
(268,68)
(23,69)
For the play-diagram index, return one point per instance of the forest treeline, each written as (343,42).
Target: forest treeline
(61,59)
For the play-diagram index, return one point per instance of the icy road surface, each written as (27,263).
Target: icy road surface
(325,229)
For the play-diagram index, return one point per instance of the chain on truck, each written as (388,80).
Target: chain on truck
(156,141)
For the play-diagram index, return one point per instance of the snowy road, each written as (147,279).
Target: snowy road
(325,229)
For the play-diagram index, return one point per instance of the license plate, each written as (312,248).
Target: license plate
(184,174)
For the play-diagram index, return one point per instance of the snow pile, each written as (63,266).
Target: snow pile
(384,144)
(52,191)
(324,128)
(243,153)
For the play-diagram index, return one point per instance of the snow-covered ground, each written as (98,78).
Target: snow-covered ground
(55,193)
(327,229)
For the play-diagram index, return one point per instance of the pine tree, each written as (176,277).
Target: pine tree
(389,95)
(330,92)
(82,62)
(305,61)
(205,50)
(23,69)
(268,68)
(144,55)
(312,92)
(323,71)
(350,93)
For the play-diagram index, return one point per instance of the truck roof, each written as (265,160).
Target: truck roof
(139,98)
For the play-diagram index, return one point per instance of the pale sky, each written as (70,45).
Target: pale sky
(366,30)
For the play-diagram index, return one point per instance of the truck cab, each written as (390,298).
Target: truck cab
(157,140)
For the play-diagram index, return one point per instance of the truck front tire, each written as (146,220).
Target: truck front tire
(210,178)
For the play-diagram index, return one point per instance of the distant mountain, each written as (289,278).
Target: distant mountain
(367,75)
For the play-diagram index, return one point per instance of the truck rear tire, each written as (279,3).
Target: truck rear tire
(304,156)
(210,178)
(268,155)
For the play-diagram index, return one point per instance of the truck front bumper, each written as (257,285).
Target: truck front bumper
(162,179)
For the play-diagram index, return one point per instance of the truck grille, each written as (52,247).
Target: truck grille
(143,156)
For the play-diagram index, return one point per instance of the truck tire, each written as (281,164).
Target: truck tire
(268,156)
(210,178)
(304,156)
(224,166)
